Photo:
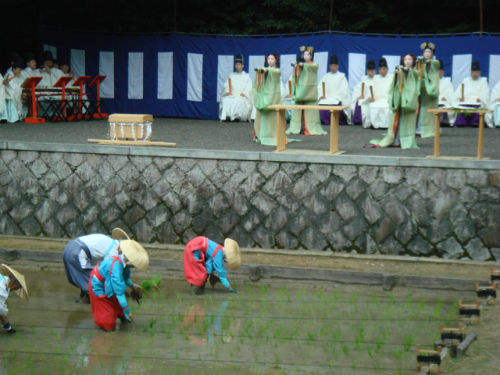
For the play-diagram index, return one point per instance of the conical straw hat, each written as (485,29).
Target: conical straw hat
(119,234)
(232,251)
(23,292)
(135,253)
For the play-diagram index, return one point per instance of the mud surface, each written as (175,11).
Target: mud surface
(280,328)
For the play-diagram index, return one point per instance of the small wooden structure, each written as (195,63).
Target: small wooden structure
(469,312)
(429,360)
(334,123)
(130,129)
(494,274)
(452,336)
(488,292)
(437,125)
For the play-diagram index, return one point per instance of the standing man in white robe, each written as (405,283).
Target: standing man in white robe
(362,98)
(12,83)
(493,119)
(236,102)
(446,96)
(336,93)
(476,93)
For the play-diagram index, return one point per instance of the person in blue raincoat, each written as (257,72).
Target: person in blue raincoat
(109,281)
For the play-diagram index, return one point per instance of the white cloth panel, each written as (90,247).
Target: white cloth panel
(77,62)
(195,77)
(225,66)
(494,74)
(165,75)
(357,64)
(256,61)
(321,58)
(52,49)
(392,62)
(107,68)
(135,75)
(460,69)
(286,68)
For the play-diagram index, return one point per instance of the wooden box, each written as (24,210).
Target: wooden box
(123,126)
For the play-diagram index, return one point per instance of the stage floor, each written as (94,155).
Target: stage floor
(237,136)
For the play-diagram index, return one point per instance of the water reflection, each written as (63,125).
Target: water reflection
(204,327)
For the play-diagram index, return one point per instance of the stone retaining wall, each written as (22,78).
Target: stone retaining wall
(394,209)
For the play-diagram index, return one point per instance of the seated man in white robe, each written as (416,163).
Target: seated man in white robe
(336,93)
(379,108)
(50,74)
(362,96)
(446,96)
(493,119)
(31,69)
(473,92)
(236,102)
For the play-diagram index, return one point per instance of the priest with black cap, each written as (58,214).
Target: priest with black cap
(473,92)
(236,100)
(379,108)
(31,70)
(362,96)
(336,93)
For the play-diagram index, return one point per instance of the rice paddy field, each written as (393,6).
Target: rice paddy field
(267,328)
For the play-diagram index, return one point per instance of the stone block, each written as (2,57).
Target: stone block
(345,172)
(392,175)
(477,251)
(450,249)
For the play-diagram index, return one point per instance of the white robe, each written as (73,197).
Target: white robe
(473,90)
(28,72)
(236,106)
(13,91)
(4,293)
(2,96)
(336,90)
(447,97)
(364,103)
(493,119)
(379,109)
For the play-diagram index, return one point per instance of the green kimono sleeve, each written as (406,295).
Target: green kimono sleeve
(409,96)
(267,92)
(431,79)
(306,89)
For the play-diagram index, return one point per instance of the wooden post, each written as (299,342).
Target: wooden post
(362,90)
(462,88)
(331,16)
(480,136)
(280,131)
(334,131)
(323,87)
(290,88)
(481,18)
(436,134)
(230,88)
(371,92)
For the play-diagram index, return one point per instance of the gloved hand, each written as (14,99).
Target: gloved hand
(136,293)
(233,291)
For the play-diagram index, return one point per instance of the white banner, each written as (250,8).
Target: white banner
(135,75)
(460,69)
(195,77)
(165,75)
(77,62)
(225,66)
(107,68)
(357,68)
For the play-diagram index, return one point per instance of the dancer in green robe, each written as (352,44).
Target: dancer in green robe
(305,91)
(429,90)
(266,92)
(403,102)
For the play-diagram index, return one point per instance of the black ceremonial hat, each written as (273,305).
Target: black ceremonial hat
(441,65)
(371,65)
(238,59)
(30,56)
(334,60)
(475,66)
(382,63)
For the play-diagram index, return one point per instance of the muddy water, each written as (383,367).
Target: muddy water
(286,327)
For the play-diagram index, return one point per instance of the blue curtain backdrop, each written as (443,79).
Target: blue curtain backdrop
(373,46)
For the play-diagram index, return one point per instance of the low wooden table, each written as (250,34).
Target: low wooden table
(334,123)
(437,126)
